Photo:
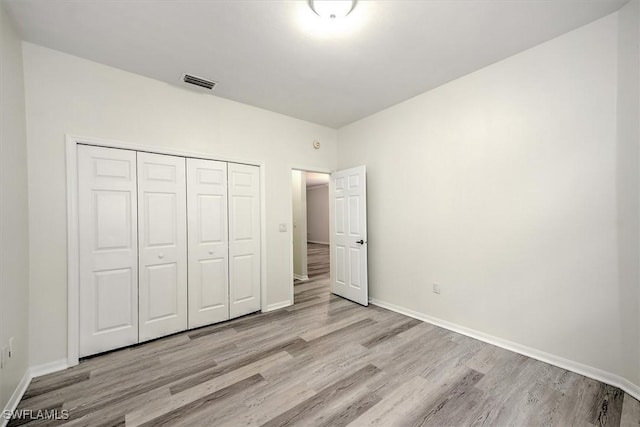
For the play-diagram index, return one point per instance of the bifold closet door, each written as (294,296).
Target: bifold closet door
(162,238)
(244,239)
(208,243)
(108,249)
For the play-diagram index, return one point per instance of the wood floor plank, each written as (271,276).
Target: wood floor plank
(114,414)
(313,404)
(386,335)
(327,327)
(411,359)
(189,409)
(114,399)
(351,357)
(43,386)
(488,357)
(170,402)
(195,380)
(606,408)
(311,370)
(630,412)
(392,408)
(353,325)
(351,411)
(340,405)
(274,397)
(575,406)
(259,320)
(527,400)
(441,409)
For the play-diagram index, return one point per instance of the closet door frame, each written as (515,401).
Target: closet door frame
(73,234)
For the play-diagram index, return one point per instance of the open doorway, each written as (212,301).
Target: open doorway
(311,260)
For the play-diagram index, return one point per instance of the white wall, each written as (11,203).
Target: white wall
(628,181)
(299,202)
(14,230)
(501,186)
(318,214)
(66,94)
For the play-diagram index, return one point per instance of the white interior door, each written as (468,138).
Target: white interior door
(348,223)
(244,239)
(108,249)
(162,231)
(208,242)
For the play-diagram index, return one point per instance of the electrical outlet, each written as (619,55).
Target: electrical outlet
(10,347)
(436,288)
(282,228)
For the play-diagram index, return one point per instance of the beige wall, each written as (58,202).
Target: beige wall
(14,229)
(318,214)
(67,94)
(501,186)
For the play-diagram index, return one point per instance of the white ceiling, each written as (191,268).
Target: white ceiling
(315,179)
(274,54)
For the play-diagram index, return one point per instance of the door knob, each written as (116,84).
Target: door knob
(161,255)
(210,251)
(360,242)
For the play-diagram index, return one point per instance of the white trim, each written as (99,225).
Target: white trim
(331,237)
(315,187)
(290,237)
(588,371)
(300,278)
(108,143)
(263,238)
(12,404)
(73,268)
(311,169)
(73,254)
(278,305)
(628,387)
(48,368)
(318,243)
(30,374)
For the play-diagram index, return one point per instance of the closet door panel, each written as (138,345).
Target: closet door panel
(244,239)
(162,228)
(108,249)
(208,242)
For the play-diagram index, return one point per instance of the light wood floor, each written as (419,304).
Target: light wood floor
(317,260)
(325,362)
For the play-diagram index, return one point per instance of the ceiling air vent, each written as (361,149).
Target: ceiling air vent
(198,81)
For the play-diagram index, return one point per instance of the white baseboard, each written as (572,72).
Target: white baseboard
(12,404)
(48,368)
(318,243)
(301,278)
(628,387)
(30,374)
(570,365)
(278,305)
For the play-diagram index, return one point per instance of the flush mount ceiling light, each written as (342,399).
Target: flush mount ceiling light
(332,9)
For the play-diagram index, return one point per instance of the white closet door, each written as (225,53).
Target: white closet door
(162,237)
(108,249)
(208,242)
(244,239)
